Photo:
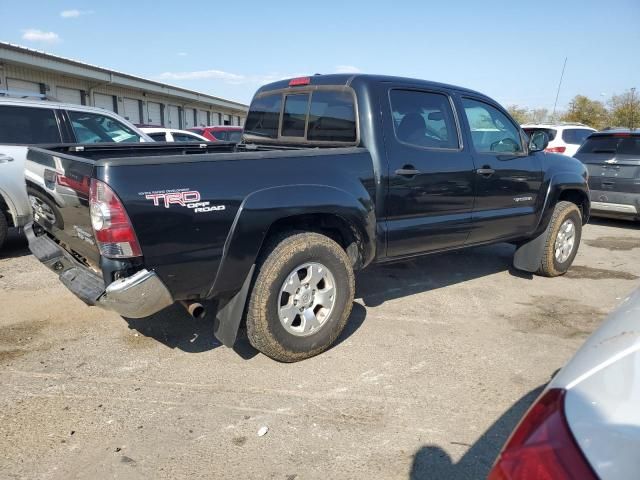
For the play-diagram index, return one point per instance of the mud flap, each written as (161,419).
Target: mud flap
(529,255)
(229,314)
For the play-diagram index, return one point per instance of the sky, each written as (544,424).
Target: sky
(512,50)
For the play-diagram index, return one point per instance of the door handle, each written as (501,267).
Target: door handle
(407,171)
(485,171)
(5,158)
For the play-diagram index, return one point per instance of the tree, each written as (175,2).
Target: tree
(520,115)
(584,110)
(625,109)
(538,115)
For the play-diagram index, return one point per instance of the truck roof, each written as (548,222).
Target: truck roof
(349,78)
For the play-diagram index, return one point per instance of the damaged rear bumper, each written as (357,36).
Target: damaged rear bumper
(139,295)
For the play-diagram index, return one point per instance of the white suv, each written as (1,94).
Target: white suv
(26,122)
(564,138)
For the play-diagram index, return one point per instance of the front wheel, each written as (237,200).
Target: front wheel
(563,238)
(302,297)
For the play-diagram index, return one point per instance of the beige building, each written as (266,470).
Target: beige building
(139,100)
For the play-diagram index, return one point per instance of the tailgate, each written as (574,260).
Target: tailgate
(59,193)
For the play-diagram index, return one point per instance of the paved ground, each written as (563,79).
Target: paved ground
(441,357)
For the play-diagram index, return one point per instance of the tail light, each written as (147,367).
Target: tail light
(111,225)
(542,446)
(555,149)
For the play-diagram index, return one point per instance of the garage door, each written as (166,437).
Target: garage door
(69,95)
(103,101)
(173,116)
(189,117)
(132,110)
(203,121)
(154,114)
(22,85)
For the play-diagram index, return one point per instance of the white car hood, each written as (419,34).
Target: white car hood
(602,404)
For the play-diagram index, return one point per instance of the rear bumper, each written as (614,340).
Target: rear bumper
(140,295)
(615,204)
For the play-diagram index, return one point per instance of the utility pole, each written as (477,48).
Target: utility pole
(553,115)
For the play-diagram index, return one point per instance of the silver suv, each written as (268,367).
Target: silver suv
(25,122)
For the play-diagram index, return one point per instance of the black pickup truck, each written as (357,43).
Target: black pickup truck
(335,172)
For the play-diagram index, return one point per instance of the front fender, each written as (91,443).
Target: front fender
(261,209)
(556,185)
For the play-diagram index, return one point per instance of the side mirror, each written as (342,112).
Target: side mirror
(538,141)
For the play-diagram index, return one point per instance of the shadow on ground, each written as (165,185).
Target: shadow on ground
(381,283)
(175,328)
(432,462)
(15,245)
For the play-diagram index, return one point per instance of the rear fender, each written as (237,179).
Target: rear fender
(256,215)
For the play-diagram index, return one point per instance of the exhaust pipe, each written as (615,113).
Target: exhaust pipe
(195,309)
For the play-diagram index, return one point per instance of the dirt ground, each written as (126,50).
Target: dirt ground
(440,359)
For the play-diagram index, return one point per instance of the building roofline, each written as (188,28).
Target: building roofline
(23,55)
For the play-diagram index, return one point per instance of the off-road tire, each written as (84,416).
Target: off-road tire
(4,228)
(549,265)
(281,255)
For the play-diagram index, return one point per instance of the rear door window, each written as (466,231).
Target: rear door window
(183,137)
(27,126)
(158,137)
(294,116)
(264,116)
(235,136)
(97,128)
(575,136)
(424,119)
(220,135)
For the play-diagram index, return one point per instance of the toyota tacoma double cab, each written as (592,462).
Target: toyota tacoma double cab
(335,172)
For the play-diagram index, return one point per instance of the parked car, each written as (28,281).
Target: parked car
(32,121)
(613,160)
(219,133)
(339,171)
(586,423)
(173,135)
(564,138)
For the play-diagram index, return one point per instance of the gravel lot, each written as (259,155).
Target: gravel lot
(442,356)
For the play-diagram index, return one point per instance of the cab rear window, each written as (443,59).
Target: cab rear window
(264,116)
(317,116)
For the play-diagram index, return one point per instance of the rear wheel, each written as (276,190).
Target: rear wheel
(302,297)
(563,239)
